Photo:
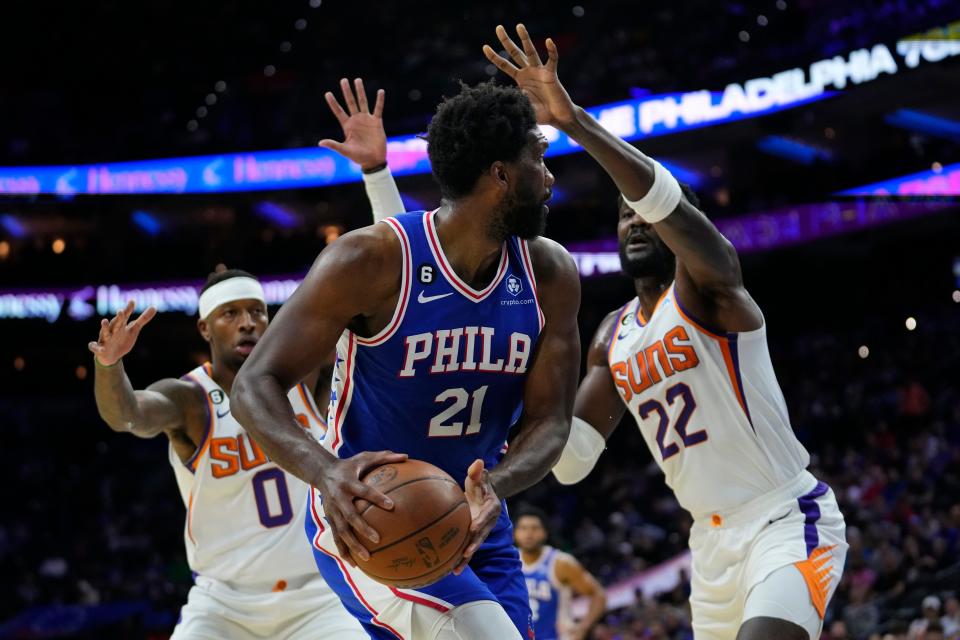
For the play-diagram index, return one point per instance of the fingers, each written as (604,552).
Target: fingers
(348,96)
(144,318)
(333,145)
(378,106)
(511,48)
(361,526)
(475,471)
(361,95)
(346,541)
(370,459)
(338,111)
(500,62)
(553,55)
(529,50)
(373,496)
(95,347)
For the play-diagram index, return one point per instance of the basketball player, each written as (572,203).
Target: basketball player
(450,326)
(245,517)
(688,357)
(552,577)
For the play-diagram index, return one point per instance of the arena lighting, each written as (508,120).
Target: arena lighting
(944,181)
(147,222)
(12,225)
(748,233)
(924,123)
(793,150)
(277,214)
(635,119)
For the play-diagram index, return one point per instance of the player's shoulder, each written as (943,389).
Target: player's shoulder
(371,254)
(604,332)
(551,262)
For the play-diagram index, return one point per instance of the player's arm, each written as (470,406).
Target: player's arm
(709,281)
(597,410)
(552,378)
(547,396)
(571,573)
(298,339)
(365,142)
(144,413)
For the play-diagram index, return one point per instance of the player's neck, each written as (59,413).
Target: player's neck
(531,557)
(649,290)
(464,240)
(222,375)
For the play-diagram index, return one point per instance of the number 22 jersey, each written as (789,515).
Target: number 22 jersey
(443,381)
(707,403)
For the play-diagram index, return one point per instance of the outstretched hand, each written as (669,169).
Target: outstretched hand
(365,141)
(538,81)
(117,336)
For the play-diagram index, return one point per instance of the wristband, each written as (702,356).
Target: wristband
(661,200)
(97,362)
(379,167)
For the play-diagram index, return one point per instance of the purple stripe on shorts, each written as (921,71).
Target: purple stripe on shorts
(811,511)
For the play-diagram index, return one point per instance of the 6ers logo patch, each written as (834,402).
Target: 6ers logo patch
(514,285)
(216,396)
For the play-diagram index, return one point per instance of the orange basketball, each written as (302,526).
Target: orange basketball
(422,539)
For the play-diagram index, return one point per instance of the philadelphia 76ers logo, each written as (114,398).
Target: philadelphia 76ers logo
(514,286)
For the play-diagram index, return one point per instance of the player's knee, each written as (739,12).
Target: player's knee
(483,619)
(767,628)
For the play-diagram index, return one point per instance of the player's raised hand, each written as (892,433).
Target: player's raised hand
(117,336)
(538,81)
(340,487)
(365,141)
(485,509)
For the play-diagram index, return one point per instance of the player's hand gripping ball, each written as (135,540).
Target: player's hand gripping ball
(423,537)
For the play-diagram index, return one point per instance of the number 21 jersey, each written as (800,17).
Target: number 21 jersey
(443,381)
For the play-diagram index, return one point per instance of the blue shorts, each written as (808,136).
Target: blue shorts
(494,573)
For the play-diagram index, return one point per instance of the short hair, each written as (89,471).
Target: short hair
(217,277)
(472,130)
(685,189)
(532,512)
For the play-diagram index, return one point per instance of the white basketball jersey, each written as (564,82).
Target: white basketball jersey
(708,404)
(245,515)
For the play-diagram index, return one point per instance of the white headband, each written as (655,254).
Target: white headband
(230,290)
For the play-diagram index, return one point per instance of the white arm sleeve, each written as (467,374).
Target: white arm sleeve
(383,194)
(580,454)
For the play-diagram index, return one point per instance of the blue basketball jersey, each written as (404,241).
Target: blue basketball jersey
(443,381)
(547,598)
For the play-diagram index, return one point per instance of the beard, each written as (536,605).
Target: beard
(521,214)
(659,261)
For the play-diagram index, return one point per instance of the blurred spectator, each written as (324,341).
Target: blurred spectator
(930,615)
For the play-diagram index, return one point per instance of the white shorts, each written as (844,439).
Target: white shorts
(799,524)
(214,611)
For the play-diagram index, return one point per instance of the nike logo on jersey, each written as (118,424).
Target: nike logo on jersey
(422,298)
(225,413)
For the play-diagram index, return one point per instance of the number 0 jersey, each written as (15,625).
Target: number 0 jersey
(245,515)
(443,381)
(707,403)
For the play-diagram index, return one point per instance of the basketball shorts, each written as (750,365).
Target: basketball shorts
(798,525)
(494,576)
(307,609)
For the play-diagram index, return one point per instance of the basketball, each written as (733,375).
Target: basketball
(422,539)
